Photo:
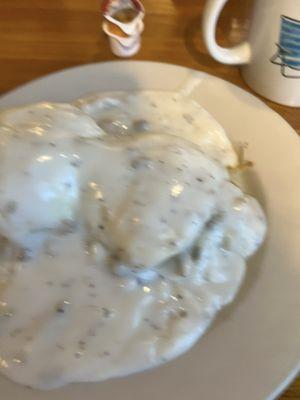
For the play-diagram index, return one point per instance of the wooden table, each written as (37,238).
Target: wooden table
(42,36)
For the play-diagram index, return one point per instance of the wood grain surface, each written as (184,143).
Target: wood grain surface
(41,36)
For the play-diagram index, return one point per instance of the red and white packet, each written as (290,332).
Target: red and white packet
(128,44)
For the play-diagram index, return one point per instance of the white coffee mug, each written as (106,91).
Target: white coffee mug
(271,55)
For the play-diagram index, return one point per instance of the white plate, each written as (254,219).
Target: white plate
(253,349)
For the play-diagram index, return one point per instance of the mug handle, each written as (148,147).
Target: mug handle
(240,54)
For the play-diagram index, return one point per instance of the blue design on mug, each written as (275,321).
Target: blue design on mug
(288,48)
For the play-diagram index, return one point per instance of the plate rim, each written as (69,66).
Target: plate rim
(87,65)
